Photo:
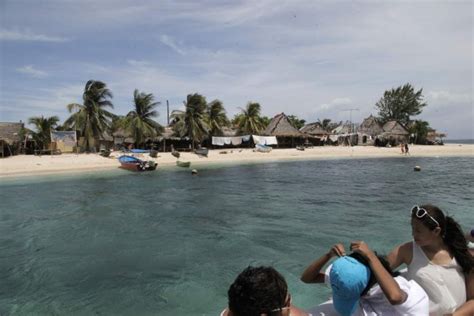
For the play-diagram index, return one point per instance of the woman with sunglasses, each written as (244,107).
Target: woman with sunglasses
(438,259)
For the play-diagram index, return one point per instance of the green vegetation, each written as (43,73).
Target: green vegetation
(296,122)
(139,122)
(43,126)
(400,103)
(216,118)
(192,122)
(250,122)
(91,118)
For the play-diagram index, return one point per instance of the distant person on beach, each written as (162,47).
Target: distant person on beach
(362,283)
(407,151)
(260,291)
(438,259)
(402,147)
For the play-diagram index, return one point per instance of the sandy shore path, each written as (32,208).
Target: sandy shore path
(24,165)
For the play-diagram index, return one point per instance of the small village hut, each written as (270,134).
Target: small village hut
(368,131)
(394,133)
(10,138)
(287,135)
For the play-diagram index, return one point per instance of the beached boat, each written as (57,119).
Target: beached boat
(300,148)
(139,151)
(263,148)
(184,164)
(105,153)
(135,164)
(175,153)
(202,151)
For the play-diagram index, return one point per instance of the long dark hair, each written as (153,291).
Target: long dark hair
(452,235)
(373,279)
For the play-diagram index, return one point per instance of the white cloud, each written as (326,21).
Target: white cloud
(26,35)
(32,72)
(448,97)
(171,43)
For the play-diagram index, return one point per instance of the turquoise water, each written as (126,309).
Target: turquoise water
(168,243)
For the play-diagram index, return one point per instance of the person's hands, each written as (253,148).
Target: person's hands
(337,250)
(361,248)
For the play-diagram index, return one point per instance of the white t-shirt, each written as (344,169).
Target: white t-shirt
(374,303)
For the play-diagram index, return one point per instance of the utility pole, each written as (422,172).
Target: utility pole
(168,112)
(350,116)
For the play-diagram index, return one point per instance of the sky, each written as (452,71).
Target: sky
(312,59)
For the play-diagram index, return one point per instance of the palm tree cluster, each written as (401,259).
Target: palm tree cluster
(198,121)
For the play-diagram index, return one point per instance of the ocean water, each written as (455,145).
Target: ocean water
(169,243)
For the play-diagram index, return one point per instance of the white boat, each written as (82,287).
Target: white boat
(263,148)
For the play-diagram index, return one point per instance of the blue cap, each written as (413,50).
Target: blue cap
(348,278)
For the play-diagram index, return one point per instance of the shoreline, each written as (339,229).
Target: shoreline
(29,165)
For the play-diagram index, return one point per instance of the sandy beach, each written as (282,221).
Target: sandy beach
(28,165)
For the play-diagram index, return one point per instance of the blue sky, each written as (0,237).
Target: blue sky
(313,59)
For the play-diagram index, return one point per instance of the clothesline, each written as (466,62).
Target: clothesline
(237,140)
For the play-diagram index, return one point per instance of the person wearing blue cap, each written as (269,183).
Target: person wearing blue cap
(362,283)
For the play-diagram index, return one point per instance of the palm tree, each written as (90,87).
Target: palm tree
(43,126)
(420,130)
(192,121)
(140,122)
(216,118)
(250,122)
(91,118)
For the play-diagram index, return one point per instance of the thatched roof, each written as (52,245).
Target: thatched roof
(10,132)
(395,128)
(314,129)
(281,126)
(371,126)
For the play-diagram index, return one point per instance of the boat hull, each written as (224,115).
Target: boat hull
(202,152)
(134,164)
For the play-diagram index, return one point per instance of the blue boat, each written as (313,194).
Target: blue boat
(135,164)
(139,151)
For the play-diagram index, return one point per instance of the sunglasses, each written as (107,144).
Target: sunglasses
(420,212)
(277,311)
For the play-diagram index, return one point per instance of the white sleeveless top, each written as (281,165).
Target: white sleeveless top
(444,284)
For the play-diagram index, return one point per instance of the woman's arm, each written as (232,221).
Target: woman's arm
(401,254)
(312,274)
(467,309)
(387,283)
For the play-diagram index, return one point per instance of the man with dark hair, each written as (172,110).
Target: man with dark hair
(260,291)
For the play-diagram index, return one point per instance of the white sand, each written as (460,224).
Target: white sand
(24,165)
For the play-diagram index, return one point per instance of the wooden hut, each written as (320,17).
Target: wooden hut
(10,138)
(368,131)
(345,134)
(168,141)
(286,134)
(394,133)
(318,135)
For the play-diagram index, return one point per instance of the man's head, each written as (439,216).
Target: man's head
(259,291)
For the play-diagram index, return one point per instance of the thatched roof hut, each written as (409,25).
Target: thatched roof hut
(394,133)
(286,134)
(10,137)
(314,129)
(280,126)
(395,128)
(371,126)
(10,132)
